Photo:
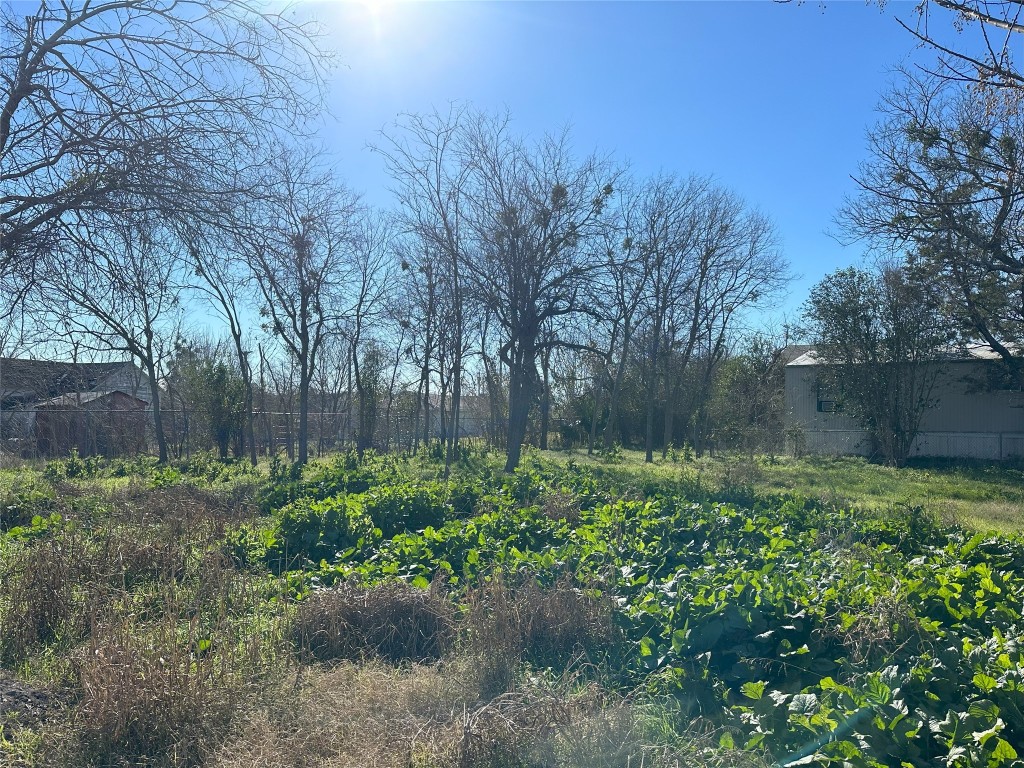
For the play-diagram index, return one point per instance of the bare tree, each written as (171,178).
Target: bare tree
(535,221)
(118,105)
(945,183)
(227,285)
(736,266)
(660,232)
(364,307)
(426,155)
(993,31)
(700,258)
(418,314)
(997,32)
(117,282)
(331,380)
(623,279)
(301,244)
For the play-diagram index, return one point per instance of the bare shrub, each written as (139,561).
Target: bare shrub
(165,692)
(185,510)
(392,621)
(878,631)
(559,505)
(548,626)
(40,602)
(143,700)
(163,534)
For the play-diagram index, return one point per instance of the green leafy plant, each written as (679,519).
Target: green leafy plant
(308,530)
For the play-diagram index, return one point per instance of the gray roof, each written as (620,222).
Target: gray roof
(32,380)
(792,351)
(74,399)
(963,354)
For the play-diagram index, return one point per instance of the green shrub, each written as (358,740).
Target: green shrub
(26,498)
(464,495)
(73,467)
(318,530)
(347,473)
(283,486)
(350,473)
(206,466)
(406,507)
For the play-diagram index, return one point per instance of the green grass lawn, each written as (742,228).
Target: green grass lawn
(983,496)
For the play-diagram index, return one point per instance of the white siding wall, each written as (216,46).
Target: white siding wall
(964,423)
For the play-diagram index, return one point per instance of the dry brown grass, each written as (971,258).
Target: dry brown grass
(364,715)
(559,505)
(162,691)
(51,586)
(40,600)
(184,511)
(393,621)
(129,606)
(147,698)
(372,715)
(557,626)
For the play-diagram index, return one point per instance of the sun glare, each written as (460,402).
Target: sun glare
(376,13)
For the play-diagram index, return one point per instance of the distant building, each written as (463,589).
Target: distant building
(47,408)
(970,419)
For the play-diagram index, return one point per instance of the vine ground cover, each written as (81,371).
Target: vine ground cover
(783,629)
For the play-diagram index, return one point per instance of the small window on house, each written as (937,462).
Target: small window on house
(828,401)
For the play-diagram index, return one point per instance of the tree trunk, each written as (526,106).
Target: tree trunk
(652,390)
(592,438)
(361,425)
(304,375)
(545,403)
(158,421)
(611,428)
(416,417)
(250,422)
(453,440)
(520,394)
(426,409)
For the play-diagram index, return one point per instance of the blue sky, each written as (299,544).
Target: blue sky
(772,100)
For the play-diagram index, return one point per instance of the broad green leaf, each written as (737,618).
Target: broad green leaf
(753,689)
(803,703)
(1003,751)
(987,683)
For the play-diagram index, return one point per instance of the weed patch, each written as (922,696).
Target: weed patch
(394,622)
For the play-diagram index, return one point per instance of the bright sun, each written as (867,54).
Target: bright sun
(373,13)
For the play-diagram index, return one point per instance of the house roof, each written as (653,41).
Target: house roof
(970,352)
(793,351)
(32,380)
(76,399)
